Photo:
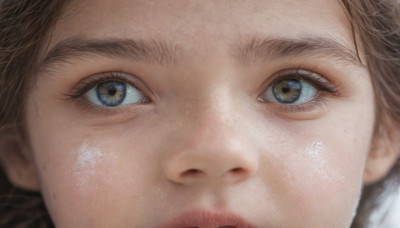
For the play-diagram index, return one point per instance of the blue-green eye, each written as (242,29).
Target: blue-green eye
(114,93)
(290,91)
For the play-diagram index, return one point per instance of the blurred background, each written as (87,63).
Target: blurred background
(388,215)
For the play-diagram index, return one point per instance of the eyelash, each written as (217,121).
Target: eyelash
(82,88)
(325,89)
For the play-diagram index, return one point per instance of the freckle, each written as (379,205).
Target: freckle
(44,166)
(54,196)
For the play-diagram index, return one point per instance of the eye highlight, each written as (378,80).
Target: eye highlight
(109,90)
(298,90)
(114,93)
(290,91)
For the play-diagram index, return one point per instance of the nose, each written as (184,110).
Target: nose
(213,151)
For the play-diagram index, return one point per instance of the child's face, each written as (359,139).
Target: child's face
(257,108)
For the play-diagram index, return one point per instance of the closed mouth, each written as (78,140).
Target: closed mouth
(207,219)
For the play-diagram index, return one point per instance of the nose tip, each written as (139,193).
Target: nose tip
(213,151)
(229,166)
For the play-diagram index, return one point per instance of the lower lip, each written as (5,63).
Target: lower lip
(206,219)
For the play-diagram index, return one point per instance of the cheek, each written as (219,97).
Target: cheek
(87,163)
(325,174)
(90,173)
(318,173)
(74,176)
(87,174)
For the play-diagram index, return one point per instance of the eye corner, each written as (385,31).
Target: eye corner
(312,95)
(108,90)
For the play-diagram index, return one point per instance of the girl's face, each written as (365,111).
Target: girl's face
(187,113)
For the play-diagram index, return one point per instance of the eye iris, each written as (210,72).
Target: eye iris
(111,93)
(287,90)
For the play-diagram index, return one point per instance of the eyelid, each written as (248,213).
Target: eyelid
(315,79)
(83,86)
(325,88)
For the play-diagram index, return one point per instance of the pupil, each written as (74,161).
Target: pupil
(287,90)
(112,92)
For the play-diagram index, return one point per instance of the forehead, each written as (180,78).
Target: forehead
(209,22)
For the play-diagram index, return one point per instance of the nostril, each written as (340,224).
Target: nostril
(237,170)
(237,174)
(192,172)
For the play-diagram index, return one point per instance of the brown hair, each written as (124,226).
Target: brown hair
(26,24)
(377,24)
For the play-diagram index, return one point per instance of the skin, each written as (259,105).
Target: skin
(127,166)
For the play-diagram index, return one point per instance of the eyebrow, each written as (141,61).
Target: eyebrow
(152,51)
(258,49)
(252,51)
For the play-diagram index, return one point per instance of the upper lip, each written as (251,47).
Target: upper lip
(207,219)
